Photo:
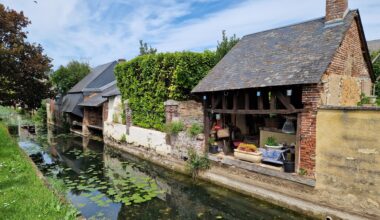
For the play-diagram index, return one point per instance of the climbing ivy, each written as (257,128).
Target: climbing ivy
(148,81)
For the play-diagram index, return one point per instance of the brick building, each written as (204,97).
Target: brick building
(285,75)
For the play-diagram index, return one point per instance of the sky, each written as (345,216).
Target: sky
(100,31)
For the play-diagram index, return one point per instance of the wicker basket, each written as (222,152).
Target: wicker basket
(254,157)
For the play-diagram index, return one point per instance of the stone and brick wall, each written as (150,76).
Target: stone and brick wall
(345,80)
(347,77)
(307,138)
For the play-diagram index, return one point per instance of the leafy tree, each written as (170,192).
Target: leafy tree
(225,45)
(376,68)
(145,49)
(65,77)
(23,66)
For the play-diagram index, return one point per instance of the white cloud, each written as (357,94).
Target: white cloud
(99,31)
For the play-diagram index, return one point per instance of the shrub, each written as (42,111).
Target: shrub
(174,127)
(195,129)
(148,81)
(196,163)
(123,138)
(363,100)
(123,118)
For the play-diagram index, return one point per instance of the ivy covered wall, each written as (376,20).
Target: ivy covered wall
(148,81)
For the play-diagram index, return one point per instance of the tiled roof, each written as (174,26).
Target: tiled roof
(374,45)
(296,54)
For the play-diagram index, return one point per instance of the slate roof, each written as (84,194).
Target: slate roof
(70,104)
(296,54)
(114,91)
(98,99)
(98,77)
(374,45)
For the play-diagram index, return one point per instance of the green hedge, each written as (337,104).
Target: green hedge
(148,81)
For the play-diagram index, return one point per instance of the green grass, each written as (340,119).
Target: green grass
(22,194)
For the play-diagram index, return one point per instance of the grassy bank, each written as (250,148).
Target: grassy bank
(22,194)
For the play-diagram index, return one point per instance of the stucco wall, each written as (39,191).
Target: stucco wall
(348,158)
(148,138)
(347,77)
(114,131)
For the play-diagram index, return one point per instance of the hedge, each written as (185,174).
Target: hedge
(148,81)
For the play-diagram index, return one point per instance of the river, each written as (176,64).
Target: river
(105,184)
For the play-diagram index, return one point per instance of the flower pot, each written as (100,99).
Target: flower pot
(372,99)
(254,157)
(289,167)
(274,147)
(213,149)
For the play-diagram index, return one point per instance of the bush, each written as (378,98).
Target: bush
(196,163)
(174,127)
(195,129)
(123,118)
(148,81)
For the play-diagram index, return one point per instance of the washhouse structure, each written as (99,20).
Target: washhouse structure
(83,104)
(267,90)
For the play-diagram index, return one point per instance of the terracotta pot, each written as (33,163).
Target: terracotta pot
(254,157)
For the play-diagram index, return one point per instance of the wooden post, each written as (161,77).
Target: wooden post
(272,101)
(298,143)
(206,122)
(246,100)
(224,102)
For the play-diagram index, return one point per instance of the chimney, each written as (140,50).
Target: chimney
(336,10)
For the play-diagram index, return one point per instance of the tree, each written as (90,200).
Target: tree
(65,77)
(225,45)
(23,66)
(144,49)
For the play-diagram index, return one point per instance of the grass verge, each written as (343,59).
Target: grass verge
(23,194)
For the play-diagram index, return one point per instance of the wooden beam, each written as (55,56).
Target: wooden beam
(256,112)
(284,100)
(235,101)
(246,101)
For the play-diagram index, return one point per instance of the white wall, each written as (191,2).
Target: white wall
(114,131)
(155,140)
(114,104)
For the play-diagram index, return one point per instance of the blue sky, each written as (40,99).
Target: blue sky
(99,31)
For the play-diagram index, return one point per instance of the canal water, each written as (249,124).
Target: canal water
(105,184)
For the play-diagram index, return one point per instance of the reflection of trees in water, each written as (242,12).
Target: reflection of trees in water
(185,200)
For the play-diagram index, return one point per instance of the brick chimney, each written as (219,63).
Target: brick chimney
(336,10)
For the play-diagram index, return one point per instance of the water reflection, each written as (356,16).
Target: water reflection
(105,184)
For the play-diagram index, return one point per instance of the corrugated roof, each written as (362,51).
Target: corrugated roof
(99,76)
(296,54)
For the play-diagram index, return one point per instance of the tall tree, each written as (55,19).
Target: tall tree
(65,77)
(23,66)
(145,49)
(225,45)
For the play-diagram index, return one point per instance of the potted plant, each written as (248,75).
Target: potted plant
(248,152)
(213,146)
(271,142)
